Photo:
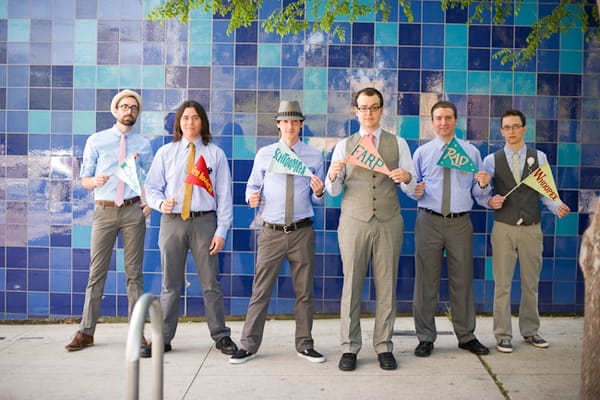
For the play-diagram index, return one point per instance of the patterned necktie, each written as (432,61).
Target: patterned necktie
(187,197)
(515,167)
(120,184)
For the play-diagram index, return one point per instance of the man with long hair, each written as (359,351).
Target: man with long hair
(193,219)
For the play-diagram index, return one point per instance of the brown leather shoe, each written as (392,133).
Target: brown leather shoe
(80,341)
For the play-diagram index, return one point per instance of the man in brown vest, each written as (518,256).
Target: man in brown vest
(516,233)
(370,228)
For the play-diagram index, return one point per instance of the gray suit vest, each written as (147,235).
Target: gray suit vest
(522,203)
(369,193)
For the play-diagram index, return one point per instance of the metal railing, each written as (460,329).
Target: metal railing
(134,341)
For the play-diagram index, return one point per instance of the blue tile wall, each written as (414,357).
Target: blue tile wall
(62,61)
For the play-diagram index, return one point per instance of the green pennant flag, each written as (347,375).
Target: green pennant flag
(456,157)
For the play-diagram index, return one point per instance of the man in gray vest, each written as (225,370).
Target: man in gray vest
(516,233)
(370,228)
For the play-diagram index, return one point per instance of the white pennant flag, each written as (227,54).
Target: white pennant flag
(127,172)
(285,161)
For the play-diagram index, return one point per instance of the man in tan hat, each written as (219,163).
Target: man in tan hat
(117,208)
(287,230)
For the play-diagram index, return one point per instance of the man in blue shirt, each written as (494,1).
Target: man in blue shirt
(282,236)
(196,223)
(443,224)
(117,208)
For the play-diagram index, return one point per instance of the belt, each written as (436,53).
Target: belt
(127,202)
(451,215)
(289,228)
(195,214)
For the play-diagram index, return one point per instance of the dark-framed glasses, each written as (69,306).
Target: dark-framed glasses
(364,109)
(127,107)
(514,127)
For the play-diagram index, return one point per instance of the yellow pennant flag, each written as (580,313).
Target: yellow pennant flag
(542,181)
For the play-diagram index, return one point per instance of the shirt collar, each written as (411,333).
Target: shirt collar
(522,151)
(441,144)
(376,133)
(118,133)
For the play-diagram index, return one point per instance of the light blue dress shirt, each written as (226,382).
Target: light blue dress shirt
(404,162)
(273,184)
(464,185)
(489,164)
(101,156)
(166,179)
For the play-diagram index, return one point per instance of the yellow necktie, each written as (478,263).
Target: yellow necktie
(187,197)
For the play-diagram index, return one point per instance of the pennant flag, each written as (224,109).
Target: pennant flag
(365,155)
(199,176)
(456,157)
(285,161)
(127,171)
(542,181)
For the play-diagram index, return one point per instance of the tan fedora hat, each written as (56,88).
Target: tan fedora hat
(289,111)
(122,94)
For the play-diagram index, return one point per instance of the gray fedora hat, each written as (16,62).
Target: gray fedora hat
(289,111)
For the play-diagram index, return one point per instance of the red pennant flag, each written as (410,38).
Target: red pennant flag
(199,176)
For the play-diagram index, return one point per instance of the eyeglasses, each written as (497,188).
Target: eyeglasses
(364,109)
(127,107)
(511,127)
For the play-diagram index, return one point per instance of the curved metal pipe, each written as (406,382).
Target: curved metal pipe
(134,341)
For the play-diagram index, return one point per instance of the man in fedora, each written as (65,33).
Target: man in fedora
(287,232)
(117,208)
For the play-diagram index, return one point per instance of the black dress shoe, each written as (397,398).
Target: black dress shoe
(424,349)
(226,345)
(146,351)
(347,362)
(387,361)
(475,347)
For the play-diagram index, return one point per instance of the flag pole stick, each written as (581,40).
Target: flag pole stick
(513,189)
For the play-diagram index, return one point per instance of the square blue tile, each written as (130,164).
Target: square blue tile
(386,33)
(455,82)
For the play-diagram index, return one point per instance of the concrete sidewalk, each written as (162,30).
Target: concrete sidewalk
(34,365)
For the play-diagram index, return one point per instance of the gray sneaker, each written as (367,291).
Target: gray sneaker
(504,346)
(536,340)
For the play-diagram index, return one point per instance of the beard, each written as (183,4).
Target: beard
(128,120)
